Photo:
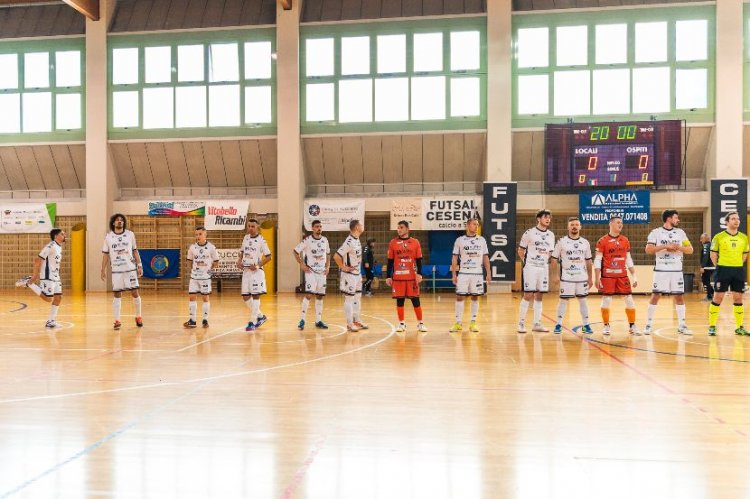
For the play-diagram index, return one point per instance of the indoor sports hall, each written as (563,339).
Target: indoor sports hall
(207,208)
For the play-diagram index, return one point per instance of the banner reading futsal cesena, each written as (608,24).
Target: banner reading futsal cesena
(449,213)
(226,214)
(27,218)
(334,214)
(176,208)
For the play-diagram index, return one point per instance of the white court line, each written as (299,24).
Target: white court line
(216,377)
(66,325)
(193,345)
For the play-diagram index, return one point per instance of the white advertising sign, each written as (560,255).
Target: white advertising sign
(226,214)
(27,218)
(334,214)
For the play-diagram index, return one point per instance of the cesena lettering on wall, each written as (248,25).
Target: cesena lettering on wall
(727,195)
(499,229)
(226,216)
(449,213)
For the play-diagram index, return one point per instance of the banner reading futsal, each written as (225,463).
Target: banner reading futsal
(226,214)
(27,218)
(449,213)
(499,228)
(334,214)
(176,208)
(160,263)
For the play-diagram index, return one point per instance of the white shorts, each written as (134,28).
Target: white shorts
(668,283)
(315,284)
(535,280)
(125,281)
(350,283)
(50,288)
(253,282)
(199,286)
(469,284)
(573,289)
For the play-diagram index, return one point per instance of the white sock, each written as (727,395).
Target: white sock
(650,312)
(357,307)
(562,305)
(522,310)
(318,310)
(254,310)
(193,307)
(348,304)
(206,309)
(474,310)
(137,305)
(583,305)
(116,307)
(249,303)
(53,312)
(537,311)
(459,311)
(35,288)
(680,314)
(305,304)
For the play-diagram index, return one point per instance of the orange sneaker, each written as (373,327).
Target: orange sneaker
(117,325)
(139,321)
(361,325)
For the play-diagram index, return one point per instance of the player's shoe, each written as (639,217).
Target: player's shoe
(539,328)
(421,327)
(51,324)
(204,323)
(586,329)
(521,327)
(558,329)
(251,327)
(23,281)
(741,331)
(473,327)
(139,321)
(401,328)
(456,328)
(301,324)
(261,320)
(606,330)
(190,324)
(649,329)
(634,330)
(683,329)
(321,325)
(352,328)
(712,330)
(117,325)
(361,325)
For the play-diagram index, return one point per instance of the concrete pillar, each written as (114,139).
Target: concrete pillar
(291,175)
(729,94)
(499,90)
(101,186)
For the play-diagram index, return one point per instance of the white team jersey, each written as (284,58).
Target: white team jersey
(351,253)
(470,251)
(539,245)
(52,256)
(203,258)
(120,248)
(670,261)
(314,252)
(253,249)
(572,255)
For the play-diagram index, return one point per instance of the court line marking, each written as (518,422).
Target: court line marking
(23,306)
(65,326)
(202,383)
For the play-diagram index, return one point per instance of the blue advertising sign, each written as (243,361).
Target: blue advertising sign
(597,207)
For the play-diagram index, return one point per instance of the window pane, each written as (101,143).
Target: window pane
(224,105)
(68,111)
(319,57)
(428,52)
(258,60)
(612,91)
(223,62)
(428,98)
(691,88)
(8,71)
(158,64)
(258,102)
(572,45)
(68,68)
(392,99)
(355,101)
(158,108)
(692,40)
(355,55)
(124,66)
(650,90)
(650,42)
(191,107)
(533,48)
(190,63)
(10,118)
(124,109)
(464,50)
(611,43)
(572,93)
(391,53)
(533,94)
(37,112)
(319,102)
(465,97)
(36,70)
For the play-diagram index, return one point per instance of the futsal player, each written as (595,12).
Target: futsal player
(254,254)
(573,253)
(121,252)
(44,280)
(313,254)
(405,274)
(349,258)
(204,259)
(535,249)
(470,267)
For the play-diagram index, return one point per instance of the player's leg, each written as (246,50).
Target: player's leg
(118,283)
(583,307)
(462,290)
(538,296)
(399,308)
(630,313)
(562,306)
(305,303)
(651,310)
(738,284)
(722,286)
(56,290)
(206,305)
(417,304)
(608,289)
(357,303)
(133,276)
(192,304)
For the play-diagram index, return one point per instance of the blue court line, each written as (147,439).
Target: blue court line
(23,306)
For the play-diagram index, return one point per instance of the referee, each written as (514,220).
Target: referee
(729,251)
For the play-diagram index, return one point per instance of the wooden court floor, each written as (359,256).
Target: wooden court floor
(165,412)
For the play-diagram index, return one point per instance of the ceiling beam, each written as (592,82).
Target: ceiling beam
(16,3)
(286,4)
(89,8)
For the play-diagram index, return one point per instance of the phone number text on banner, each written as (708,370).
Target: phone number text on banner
(634,207)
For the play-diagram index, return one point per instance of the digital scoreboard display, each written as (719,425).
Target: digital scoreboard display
(601,155)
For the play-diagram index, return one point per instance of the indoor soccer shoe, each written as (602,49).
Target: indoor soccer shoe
(650,329)
(190,324)
(712,330)
(321,325)
(23,282)
(301,324)
(250,327)
(401,327)
(539,328)
(684,330)
(205,323)
(586,329)
(361,325)
(606,330)
(456,328)
(261,320)
(521,327)
(51,324)
(634,330)
(352,328)
(473,327)
(558,329)
(117,325)
(139,321)
(421,327)
(741,331)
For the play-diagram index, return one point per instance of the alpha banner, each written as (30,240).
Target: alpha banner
(499,228)
(727,195)
(27,218)
(334,214)
(597,207)
(160,263)
(226,214)
(176,208)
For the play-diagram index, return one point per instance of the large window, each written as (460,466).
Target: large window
(394,76)
(593,65)
(193,84)
(41,90)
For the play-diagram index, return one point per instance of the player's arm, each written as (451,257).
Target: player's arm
(589,266)
(419,269)
(340,262)
(687,248)
(631,267)
(300,261)
(138,264)
(367,258)
(105,262)
(521,252)
(454,268)
(389,272)
(598,268)
(487,268)
(37,268)
(328,263)
(265,260)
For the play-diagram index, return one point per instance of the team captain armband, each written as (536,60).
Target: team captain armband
(686,243)
(598,261)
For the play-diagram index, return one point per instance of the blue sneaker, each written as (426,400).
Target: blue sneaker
(301,324)
(250,327)
(558,329)
(321,325)
(586,329)
(261,320)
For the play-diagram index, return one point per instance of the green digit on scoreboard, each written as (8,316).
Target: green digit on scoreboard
(622,132)
(631,131)
(604,133)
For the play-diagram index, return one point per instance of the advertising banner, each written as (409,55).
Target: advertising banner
(597,207)
(176,208)
(334,214)
(27,218)
(160,263)
(228,263)
(409,210)
(449,213)
(499,228)
(226,214)
(727,195)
